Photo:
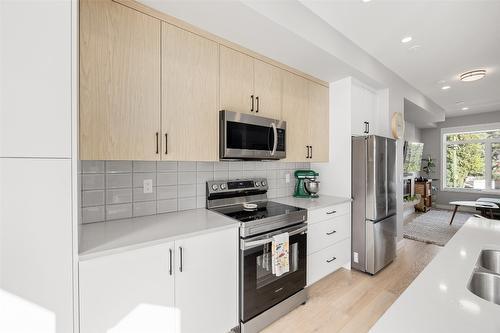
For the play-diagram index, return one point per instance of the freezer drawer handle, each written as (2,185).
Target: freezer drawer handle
(332,212)
(329,261)
(331,233)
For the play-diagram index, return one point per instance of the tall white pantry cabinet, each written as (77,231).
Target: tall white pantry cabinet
(38,162)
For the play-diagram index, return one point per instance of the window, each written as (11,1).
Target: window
(471,158)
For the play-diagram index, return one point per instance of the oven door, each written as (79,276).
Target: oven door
(245,136)
(260,289)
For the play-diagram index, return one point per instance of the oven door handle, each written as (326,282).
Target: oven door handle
(275,143)
(251,244)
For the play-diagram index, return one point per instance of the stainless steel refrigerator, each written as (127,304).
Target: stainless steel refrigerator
(374,220)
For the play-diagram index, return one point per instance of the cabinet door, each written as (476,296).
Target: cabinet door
(268,86)
(236,81)
(35,79)
(131,291)
(319,123)
(206,290)
(36,250)
(190,71)
(295,113)
(119,82)
(364,108)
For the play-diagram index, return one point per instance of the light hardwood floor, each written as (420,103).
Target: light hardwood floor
(350,301)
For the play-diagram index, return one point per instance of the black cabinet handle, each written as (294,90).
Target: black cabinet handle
(307,147)
(257,98)
(311,152)
(166,143)
(331,233)
(367,127)
(331,212)
(329,261)
(170,264)
(251,96)
(157,144)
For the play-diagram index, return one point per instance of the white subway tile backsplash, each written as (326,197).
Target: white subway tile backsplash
(117,196)
(166,192)
(93,198)
(114,189)
(92,166)
(92,214)
(166,166)
(185,178)
(144,208)
(187,191)
(139,195)
(93,181)
(120,211)
(187,166)
(165,179)
(118,166)
(205,166)
(139,178)
(119,180)
(166,206)
(144,166)
(187,203)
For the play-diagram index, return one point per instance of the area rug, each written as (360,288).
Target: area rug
(433,227)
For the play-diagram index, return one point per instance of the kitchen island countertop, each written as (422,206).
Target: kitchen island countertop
(438,299)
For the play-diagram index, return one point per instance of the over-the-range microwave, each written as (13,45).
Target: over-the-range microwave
(249,137)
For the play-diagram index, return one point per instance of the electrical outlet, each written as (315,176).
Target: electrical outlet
(287,178)
(148,186)
(356,257)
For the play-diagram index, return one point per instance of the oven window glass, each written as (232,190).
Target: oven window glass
(265,274)
(253,137)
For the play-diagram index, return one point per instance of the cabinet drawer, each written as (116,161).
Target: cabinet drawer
(329,232)
(322,263)
(329,212)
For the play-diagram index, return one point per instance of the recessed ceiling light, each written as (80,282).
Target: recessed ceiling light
(367,0)
(459,102)
(465,108)
(474,75)
(445,87)
(406,39)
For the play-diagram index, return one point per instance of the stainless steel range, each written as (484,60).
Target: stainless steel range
(264,297)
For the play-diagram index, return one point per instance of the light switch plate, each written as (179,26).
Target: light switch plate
(148,186)
(287,178)
(356,257)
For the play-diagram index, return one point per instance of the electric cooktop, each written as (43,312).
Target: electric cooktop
(265,209)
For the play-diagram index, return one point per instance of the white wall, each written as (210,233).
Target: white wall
(335,176)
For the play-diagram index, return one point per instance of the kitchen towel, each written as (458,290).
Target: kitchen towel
(280,254)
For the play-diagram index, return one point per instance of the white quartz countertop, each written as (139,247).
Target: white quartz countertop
(103,238)
(438,299)
(315,203)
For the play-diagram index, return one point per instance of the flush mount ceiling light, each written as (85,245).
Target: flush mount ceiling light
(406,39)
(445,87)
(474,75)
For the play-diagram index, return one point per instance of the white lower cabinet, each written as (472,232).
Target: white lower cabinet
(328,241)
(186,286)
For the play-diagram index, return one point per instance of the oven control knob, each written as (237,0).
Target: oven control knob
(257,184)
(215,187)
(264,183)
(222,186)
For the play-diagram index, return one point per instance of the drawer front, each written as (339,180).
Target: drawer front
(321,214)
(328,260)
(326,233)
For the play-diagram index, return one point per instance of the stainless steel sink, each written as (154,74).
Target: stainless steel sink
(486,286)
(490,260)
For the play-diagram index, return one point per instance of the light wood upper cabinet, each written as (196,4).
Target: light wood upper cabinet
(119,82)
(268,84)
(236,81)
(295,113)
(190,73)
(318,110)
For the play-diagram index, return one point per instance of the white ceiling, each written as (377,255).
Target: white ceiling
(453,37)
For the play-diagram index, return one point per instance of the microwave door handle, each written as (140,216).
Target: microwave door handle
(275,143)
